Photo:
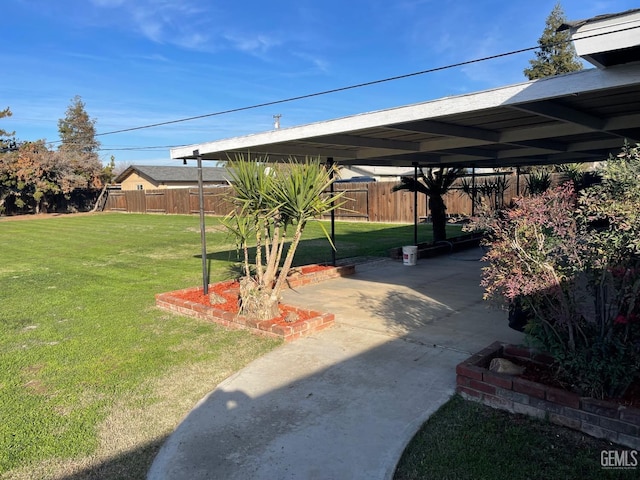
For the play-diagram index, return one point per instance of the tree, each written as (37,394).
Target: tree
(77,130)
(23,176)
(79,146)
(556,54)
(6,143)
(269,200)
(108,171)
(435,183)
(32,175)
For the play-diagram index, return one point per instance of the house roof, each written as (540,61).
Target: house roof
(175,174)
(577,117)
(607,40)
(598,18)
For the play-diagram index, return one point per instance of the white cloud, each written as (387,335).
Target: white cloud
(255,44)
(319,63)
(205,27)
(161,21)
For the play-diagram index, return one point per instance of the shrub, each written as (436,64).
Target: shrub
(538,181)
(572,262)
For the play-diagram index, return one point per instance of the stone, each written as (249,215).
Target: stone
(214,298)
(502,365)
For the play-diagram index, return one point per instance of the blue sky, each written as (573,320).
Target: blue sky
(139,62)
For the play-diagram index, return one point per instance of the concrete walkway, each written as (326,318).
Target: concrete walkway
(343,403)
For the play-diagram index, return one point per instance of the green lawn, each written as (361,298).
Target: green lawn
(93,376)
(467,441)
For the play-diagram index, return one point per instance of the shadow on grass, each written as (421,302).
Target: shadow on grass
(351,240)
(131,465)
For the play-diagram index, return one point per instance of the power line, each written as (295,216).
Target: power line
(359,85)
(317,94)
(154,147)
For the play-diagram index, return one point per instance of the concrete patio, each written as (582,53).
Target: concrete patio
(344,402)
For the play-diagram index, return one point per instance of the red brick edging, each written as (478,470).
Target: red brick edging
(598,418)
(319,321)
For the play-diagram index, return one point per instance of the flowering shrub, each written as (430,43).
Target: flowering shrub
(572,262)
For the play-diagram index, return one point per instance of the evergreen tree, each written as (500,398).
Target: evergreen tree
(556,54)
(79,146)
(108,171)
(77,130)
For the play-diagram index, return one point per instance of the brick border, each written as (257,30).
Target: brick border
(319,321)
(598,418)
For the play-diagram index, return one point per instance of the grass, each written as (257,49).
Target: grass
(465,440)
(93,376)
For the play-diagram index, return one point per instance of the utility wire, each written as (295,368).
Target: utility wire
(155,147)
(339,89)
(359,85)
(317,94)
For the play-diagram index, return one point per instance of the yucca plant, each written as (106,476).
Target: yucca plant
(492,190)
(270,200)
(578,174)
(538,181)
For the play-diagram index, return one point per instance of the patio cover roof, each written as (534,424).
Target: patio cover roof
(577,117)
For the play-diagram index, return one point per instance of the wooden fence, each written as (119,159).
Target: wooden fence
(169,200)
(374,201)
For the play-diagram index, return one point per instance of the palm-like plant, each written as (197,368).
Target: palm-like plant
(538,181)
(492,190)
(578,174)
(434,183)
(271,199)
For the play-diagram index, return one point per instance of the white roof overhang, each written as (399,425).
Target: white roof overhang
(607,40)
(577,117)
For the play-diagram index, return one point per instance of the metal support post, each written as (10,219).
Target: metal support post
(415,204)
(203,231)
(333,212)
(473,191)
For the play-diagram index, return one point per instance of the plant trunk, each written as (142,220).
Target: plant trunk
(438,218)
(257,301)
(275,251)
(284,271)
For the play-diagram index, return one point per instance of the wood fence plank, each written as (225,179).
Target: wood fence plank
(372,201)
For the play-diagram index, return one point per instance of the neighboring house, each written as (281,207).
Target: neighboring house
(144,177)
(380,174)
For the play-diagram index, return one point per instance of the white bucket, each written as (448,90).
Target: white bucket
(409,254)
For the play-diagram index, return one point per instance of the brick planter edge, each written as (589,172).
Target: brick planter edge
(319,321)
(598,418)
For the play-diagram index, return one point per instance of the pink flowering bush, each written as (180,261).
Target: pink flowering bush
(572,263)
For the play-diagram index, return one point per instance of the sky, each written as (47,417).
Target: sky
(141,62)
